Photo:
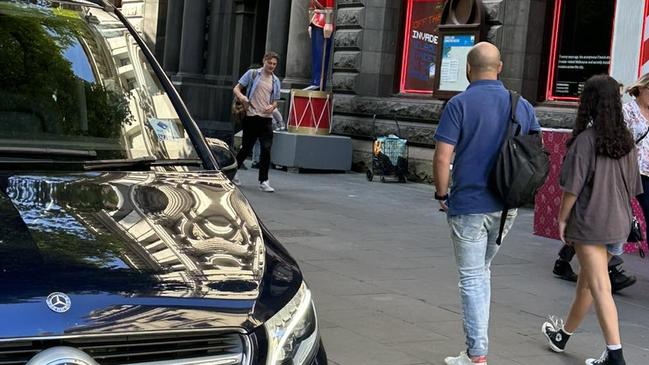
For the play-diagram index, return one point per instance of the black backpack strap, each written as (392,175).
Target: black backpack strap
(514,97)
(503,219)
(249,87)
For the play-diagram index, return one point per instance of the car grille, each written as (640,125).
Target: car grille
(136,349)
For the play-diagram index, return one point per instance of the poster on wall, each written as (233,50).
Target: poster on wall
(581,45)
(420,45)
(455,48)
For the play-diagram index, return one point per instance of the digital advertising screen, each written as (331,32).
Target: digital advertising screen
(420,45)
(581,45)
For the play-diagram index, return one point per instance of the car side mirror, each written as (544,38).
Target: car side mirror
(223,156)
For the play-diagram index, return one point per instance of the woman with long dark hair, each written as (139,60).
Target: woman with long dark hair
(599,177)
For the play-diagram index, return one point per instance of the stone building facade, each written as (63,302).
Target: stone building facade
(366,69)
(205,45)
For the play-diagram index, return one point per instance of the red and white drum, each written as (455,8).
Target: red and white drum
(310,112)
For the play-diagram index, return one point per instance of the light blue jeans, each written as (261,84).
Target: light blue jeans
(474,240)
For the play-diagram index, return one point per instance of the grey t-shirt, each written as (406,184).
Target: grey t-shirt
(604,188)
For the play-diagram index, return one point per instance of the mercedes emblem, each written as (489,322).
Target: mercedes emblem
(62,355)
(58,302)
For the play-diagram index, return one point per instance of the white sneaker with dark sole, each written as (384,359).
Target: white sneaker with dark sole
(264,186)
(235,179)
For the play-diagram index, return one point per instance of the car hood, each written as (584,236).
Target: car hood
(134,251)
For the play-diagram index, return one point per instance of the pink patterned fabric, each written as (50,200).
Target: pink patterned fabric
(548,198)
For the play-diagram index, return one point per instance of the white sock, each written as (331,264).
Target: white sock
(614,347)
(566,332)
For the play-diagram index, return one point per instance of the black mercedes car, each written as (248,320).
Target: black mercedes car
(121,241)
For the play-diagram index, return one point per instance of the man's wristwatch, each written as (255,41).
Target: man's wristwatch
(441,197)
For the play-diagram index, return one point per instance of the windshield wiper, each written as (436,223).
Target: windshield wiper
(46,152)
(139,162)
(178,162)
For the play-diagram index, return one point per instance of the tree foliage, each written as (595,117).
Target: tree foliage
(38,80)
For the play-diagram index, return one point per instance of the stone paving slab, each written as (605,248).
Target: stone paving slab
(380,264)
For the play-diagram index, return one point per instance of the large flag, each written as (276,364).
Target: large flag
(644,57)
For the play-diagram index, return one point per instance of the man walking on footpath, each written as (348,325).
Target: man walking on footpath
(473,126)
(262,93)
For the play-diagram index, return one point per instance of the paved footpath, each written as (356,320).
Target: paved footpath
(379,262)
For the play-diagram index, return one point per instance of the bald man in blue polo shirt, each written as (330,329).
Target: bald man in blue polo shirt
(473,127)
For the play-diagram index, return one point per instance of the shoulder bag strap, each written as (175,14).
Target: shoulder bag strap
(503,220)
(514,97)
(252,81)
(642,137)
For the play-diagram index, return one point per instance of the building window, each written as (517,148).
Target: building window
(582,34)
(420,45)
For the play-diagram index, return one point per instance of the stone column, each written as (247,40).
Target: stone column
(244,15)
(519,32)
(494,17)
(193,38)
(298,53)
(279,14)
(219,37)
(171,53)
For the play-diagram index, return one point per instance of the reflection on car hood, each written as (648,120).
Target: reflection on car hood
(132,250)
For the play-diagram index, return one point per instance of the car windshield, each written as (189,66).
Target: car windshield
(74,81)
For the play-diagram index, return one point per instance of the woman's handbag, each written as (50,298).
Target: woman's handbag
(635,236)
(636,231)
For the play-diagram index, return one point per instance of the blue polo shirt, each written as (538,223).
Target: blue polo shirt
(475,122)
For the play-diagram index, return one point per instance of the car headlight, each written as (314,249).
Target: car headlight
(293,331)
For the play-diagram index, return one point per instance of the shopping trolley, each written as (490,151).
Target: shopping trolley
(389,156)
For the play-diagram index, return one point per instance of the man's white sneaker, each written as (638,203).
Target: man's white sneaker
(462,359)
(235,180)
(264,186)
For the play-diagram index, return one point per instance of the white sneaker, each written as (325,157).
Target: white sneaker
(462,359)
(235,180)
(264,186)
